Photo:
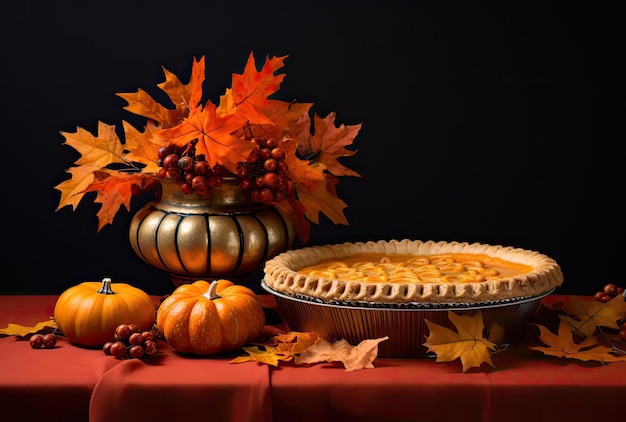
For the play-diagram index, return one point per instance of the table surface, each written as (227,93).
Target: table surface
(71,383)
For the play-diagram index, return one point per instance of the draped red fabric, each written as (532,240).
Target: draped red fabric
(70,383)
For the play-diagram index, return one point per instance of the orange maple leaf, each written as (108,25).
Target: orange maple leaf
(585,316)
(330,143)
(224,135)
(321,196)
(96,153)
(281,347)
(142,147)
(294,342)
(563,346)
(114,190)
(248,96)
(214,135)
(291,206)
(467,343)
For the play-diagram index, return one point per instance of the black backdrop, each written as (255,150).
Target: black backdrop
(484,124)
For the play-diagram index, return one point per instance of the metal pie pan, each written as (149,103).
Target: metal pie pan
(404,324)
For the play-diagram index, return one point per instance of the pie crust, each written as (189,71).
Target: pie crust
(281,274)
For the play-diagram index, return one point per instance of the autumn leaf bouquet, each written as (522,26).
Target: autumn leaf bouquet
(285,156)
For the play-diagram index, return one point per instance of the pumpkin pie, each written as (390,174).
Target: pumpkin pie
(412,272)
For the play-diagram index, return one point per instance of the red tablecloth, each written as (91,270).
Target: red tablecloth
(69,383)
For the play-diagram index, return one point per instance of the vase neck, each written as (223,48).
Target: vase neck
(229,194)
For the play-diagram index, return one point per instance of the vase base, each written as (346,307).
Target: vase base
(240,279)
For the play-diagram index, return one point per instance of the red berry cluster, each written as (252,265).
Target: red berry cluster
(131,342)
(43,341)
(183,164)
(609,291)
(264,174)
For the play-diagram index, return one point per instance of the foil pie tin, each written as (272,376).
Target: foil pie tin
(404,324)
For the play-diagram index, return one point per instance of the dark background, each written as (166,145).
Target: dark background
(492,124)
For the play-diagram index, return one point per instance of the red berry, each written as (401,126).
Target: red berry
(150,347)
(122,332)
(170,161)
(36,341)
(135,339)
(278,154)
(107,348)
(134,328)
(136,352)
(118,349)
(270,180)
(610,289)
(186,188)
(270,164)
(49,341)
(598,295)
(622,334)
(605,298)
(147,335)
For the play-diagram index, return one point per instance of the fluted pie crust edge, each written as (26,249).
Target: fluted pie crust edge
(281,274)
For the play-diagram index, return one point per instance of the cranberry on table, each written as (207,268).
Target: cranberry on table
(36,341)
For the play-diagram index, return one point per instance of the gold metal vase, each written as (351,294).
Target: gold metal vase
(226,235)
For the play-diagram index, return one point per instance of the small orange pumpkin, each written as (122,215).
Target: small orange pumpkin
(205,318)
(88,313)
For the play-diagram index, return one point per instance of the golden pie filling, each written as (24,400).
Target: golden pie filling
(440,268)
(412,271)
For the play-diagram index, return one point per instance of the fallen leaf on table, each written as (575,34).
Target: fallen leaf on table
(354,358)
(308,347)
(22,330)
(467,343)
(294,342)
(585,316)
(266,355)
(563,346)
(281,347)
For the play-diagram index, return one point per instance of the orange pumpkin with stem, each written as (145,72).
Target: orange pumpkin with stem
(88,313)
(205,318)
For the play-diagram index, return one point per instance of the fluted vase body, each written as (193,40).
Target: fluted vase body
(223,236)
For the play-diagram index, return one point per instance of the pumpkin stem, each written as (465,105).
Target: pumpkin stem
(105,289)
(212,292)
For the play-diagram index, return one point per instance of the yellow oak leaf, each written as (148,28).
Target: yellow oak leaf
(142,104)
(353,358)
(563,346)
(73,189)
(96,151)
(266,355)
(23,330)
(584,315)
(467,343)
